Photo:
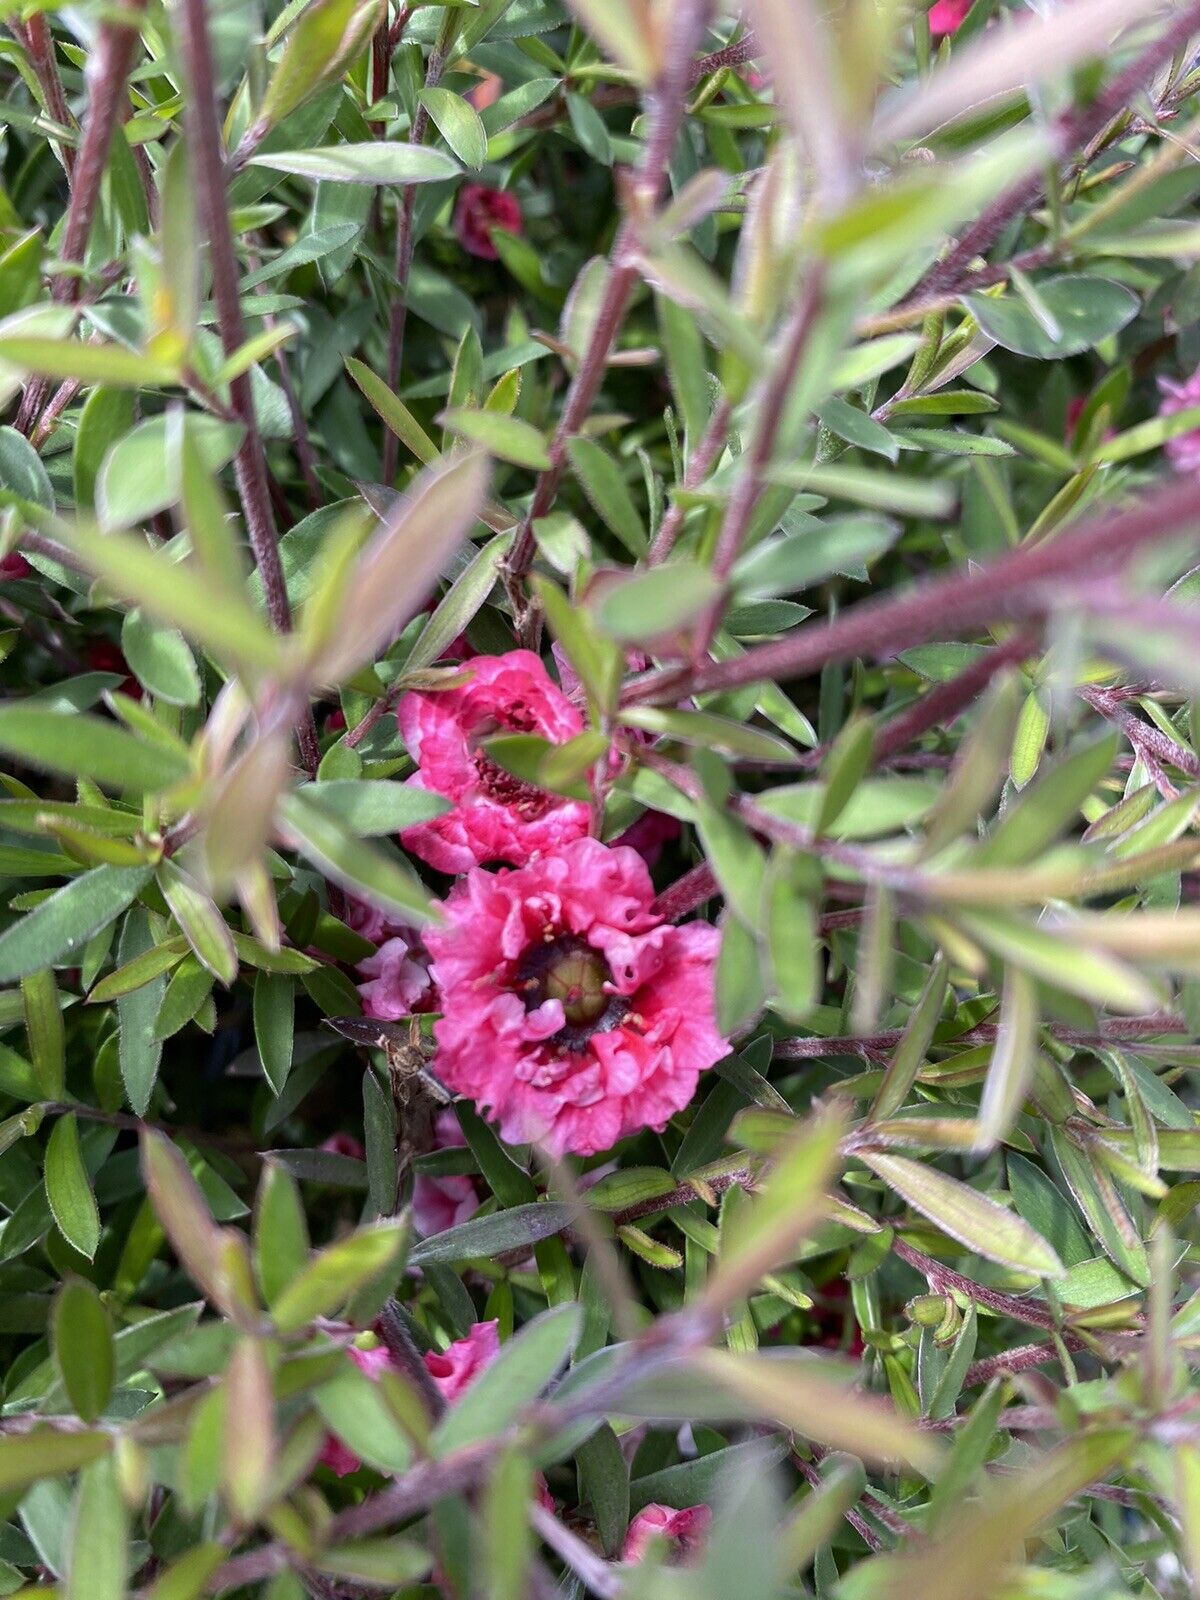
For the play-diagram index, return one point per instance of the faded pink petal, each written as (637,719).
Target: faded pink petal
(398,975)
(1183,452)
(495,817)
(456,1368)
(338,1457)
(478,211)
(947,16)
(441,1203)
(685,1530)
(572,1014)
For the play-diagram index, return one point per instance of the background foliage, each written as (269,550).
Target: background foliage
(809,404)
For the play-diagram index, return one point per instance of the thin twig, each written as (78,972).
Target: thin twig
(945,702)
(698,468)
(402,264)
(668,104)
(1073,129)
(879,1045)
(1020,585)
(106,77)
(38,40)
(250,467)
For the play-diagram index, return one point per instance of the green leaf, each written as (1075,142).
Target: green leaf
(349,861)
(374,163)
(910,1053)
(386,1561)
(965,1214)
(514,1229)
(394,412)
(280,1232)
(320,47)
(82,746)
(601,480)
(508,438)
(44,1453)
(656,603)
(200,922)
(140,1049)
(461,602)
(371,807)
(792,562)
(525,1365)
(274,1024)
(98,1565)
(69,1189)
(1086,310)
(356,1410)
(61,925)
(588,127)
(458,123)
(160,660)
(1064,962)
(330,1278)
(83,1348)
(44,1030)
(139,475)
(1011,1070)
(109,364)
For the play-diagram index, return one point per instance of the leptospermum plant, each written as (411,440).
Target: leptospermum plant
(599,965)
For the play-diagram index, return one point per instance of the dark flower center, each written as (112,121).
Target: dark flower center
(506,789)
(570,971)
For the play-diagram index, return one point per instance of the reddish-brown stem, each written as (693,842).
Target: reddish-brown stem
(946,701)
(402,263)
(1072,130)
(668,103)
(1146,739)
(106,77)
(250,466)
(686,894)
(768,418)
(698,468)
(1019,585)
(37,39)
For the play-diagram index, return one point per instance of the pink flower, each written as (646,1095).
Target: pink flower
(571,1012)
(398,975)
(345,1144)
(481,209)
(686,1530)
(441,1203)
(946,17)
(496,817)
(456,1368)
(14,565)
(452,1370)
(1183,452)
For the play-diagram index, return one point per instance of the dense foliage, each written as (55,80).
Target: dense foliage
(598,953)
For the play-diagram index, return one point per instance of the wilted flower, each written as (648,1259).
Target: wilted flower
(947,16)
(496,817)
(685,1530)
(481,209)
(1183,452)
(571,1012)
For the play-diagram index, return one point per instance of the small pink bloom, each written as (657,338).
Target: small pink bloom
(486,92)
(496,817)
(946,17)
(481,209)
(1183,452)
(345,1144)
(456,1368)
(685,1530)
(441,1203)
(398,975)
(571,1012)
(339,1458)
(14,565)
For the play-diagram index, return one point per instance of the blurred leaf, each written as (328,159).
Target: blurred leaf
(513,1229)
(331,1277)
(280,1232)
(82,746)
(524,1367)
(655,603)
(1086,310)
(248,1435)
(362,163)
(374,807)
(63,923)
(319,48)
(44,1030)
(350,862)
(458,123)
(608,494)
(508,438)
(201,923)
(99,1565)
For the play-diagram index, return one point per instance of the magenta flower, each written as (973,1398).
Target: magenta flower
(452,1370)
(572,1014)
(496,817)
(946,17)
(456,1368)
(481,209)
(1183,452)
(14,565)
(441,1203)
(686,1531)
